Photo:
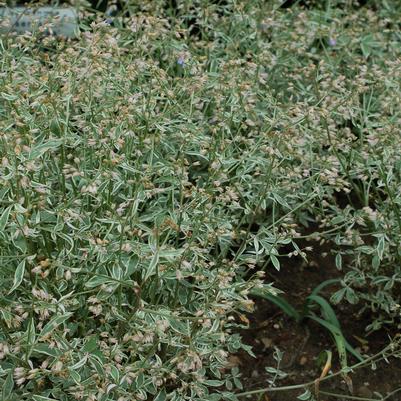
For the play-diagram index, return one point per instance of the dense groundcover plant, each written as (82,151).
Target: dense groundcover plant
(151,171)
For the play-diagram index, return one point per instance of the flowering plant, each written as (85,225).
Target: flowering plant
(151,171)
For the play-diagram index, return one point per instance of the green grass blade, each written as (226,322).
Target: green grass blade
(327,311)
(338,338)
(325,283)
(282,303)
(353,351)
(330,316)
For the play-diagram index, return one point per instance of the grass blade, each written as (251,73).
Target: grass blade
(283,304)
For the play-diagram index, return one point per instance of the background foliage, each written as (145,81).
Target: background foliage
(152,170)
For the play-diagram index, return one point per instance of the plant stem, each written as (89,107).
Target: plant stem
(373,358)
(350,397)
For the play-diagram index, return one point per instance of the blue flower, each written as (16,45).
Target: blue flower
(332,42)
(181,61)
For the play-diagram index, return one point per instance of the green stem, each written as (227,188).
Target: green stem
(349,397)
(374,358)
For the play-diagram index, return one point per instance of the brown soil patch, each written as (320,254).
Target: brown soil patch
(303,343)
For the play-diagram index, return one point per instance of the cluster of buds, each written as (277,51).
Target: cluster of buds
(4,350)
(95,307)
(21,375)
(42,268)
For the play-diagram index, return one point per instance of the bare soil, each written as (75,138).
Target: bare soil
(304,344)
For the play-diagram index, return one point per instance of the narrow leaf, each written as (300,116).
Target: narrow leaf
(97,281)
(307,395)
(327,311)
(18,276)
(41,398)
(30,335)
(275,261)
(8,387)
(80,363)
(4,218)
(325,284)
(338,338)
(57,320)
(380,248)
(285,306)
(41,149)
(339,261)
(161,396)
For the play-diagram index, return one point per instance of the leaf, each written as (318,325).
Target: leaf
(285,306)
(375,262)
(338,296)
(331,317)
(237,383)
(327,311)
(337,332)
(179,327)
(280,200)
(55,127)
(20,244)
(80,363)
(152,266)
(75,376)
(337,220)
(338,338)
(265,289)
(368,44)
(256,245)
(275,261)
(42,398)
(213,383)
(325,283)
(182,295)
(380,247)
(68,239)
(353,351)
(31,333)
(41,149)
(228,395)
(339,261)
(307,395)
(350,296)
(57,320)
(4,218)
(46,350)
(90,344)
(8,386)
(97,363)
(115,374)
(7,317)
(97,281)
(9,97)
(18,276)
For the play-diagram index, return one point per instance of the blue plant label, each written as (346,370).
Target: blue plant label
(55,21)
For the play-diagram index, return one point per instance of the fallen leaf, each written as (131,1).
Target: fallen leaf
(233,361)
(267,342)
